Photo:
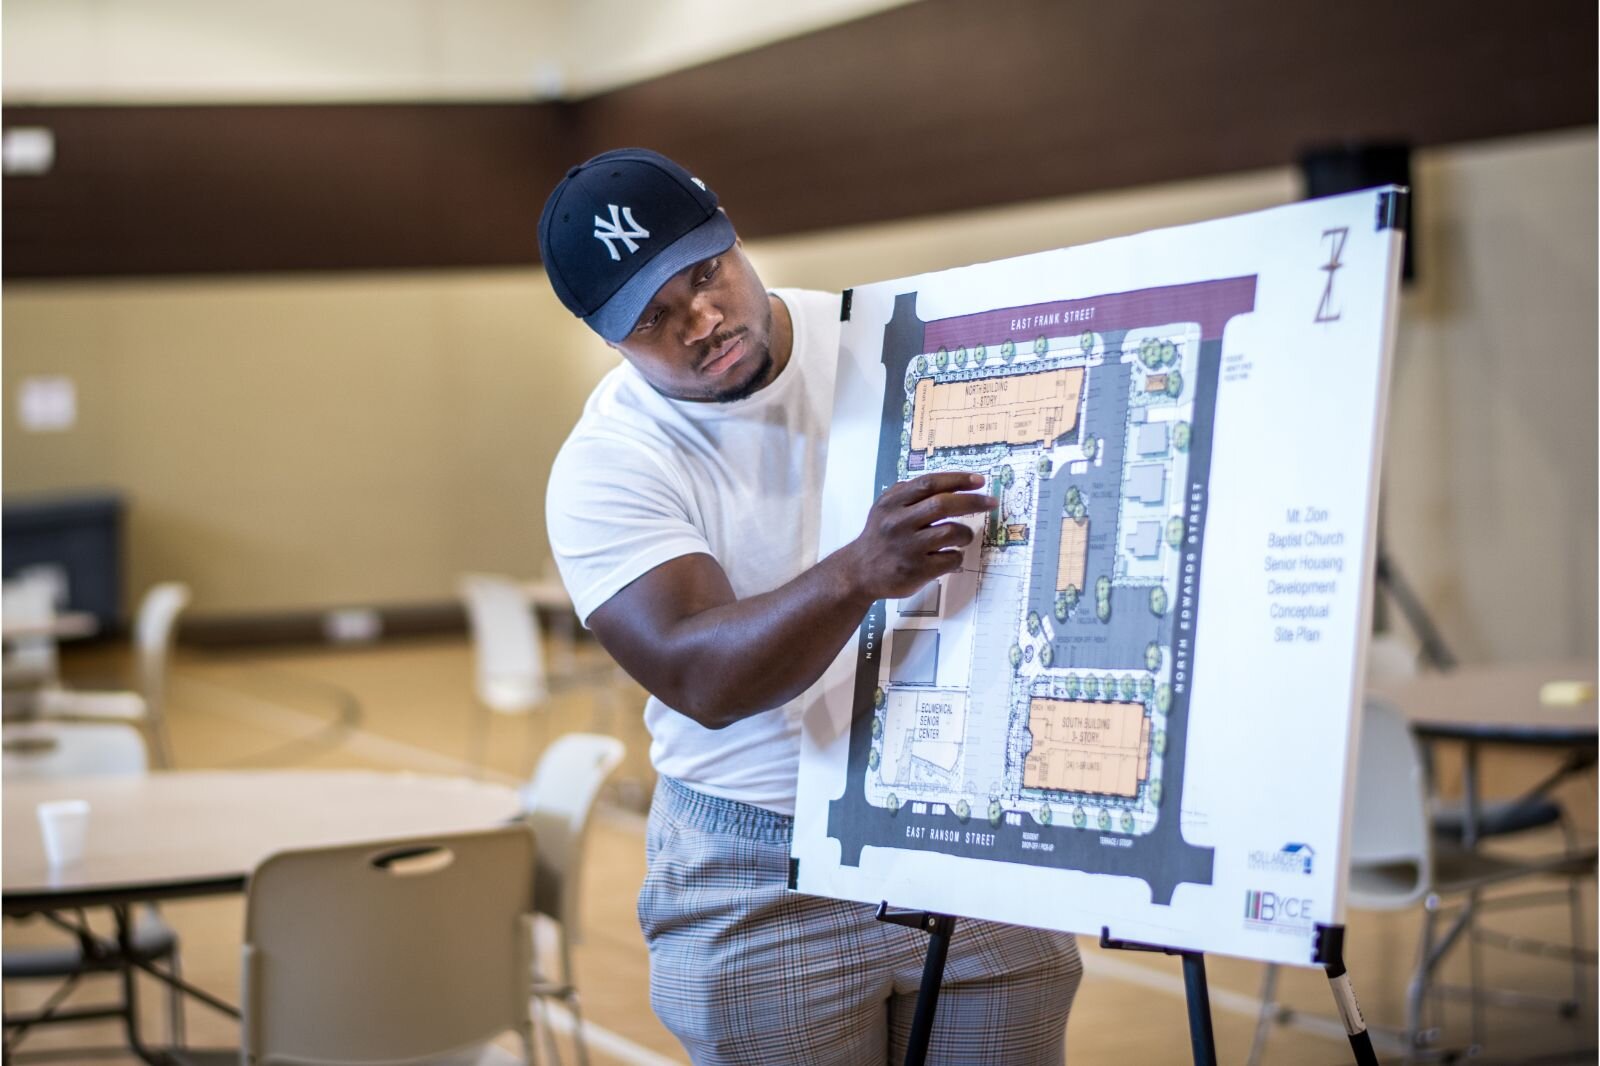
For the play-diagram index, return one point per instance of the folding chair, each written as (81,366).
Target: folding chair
(557,804)
(45,749)
(409,951)
(508,653)
(1397,861)
(153,631)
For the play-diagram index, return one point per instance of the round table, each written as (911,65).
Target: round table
(173,834)
(185,833)
(63,625)
(1499,704)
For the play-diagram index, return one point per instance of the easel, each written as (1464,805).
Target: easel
(1327,949)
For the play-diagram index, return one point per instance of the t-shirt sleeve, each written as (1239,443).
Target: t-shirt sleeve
(614,514)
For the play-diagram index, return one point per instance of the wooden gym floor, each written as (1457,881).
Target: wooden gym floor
(407,705)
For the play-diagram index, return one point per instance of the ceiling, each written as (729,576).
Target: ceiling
(309,51)
(425,147)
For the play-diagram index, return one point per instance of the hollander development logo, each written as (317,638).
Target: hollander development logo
(1289,859)
(1264,911)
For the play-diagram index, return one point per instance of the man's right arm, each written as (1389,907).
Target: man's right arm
(683,634)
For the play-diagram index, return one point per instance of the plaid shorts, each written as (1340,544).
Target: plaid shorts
(744,971)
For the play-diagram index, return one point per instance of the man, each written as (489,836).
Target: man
(683,514)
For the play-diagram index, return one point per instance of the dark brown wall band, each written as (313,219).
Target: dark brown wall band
(174,190)
(936,106)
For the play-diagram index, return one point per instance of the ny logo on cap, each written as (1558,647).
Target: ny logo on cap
(606,232)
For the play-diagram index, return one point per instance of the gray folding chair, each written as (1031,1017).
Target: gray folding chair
(30,662)
(410,951)
(153,631)
(45,749)
(1397,861)
(1531,811)
(557,804)
(508,657)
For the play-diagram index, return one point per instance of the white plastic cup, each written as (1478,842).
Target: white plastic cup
(64,824)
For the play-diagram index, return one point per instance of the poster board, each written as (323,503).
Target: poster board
(1133,708)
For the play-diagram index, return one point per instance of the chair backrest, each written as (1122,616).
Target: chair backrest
(71,749)
(1390,829)
(557,803)
(389,951)
(30,599)
(511,675)
(152,639)
(1389,659)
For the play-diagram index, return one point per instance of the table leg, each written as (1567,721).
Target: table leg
(130,983)
(1470,813)
(1471,819)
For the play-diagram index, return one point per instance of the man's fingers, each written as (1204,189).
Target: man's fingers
(915,532)
(920,488)
(949,505)
(947,535)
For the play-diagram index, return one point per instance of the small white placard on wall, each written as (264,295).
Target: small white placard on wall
(47,404)
(28,151)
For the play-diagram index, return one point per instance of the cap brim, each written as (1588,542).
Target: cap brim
(618,315)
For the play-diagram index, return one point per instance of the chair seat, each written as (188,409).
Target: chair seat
(1497,819)
(152,939)
(25,673)
(486,1055)
(1460,870)
(99,706)
(512,695)
(1385,886)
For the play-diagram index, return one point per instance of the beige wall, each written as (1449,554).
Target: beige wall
(307,442)
(1490,470)
(333,440)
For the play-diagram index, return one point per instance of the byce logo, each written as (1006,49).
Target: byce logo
(1269,908)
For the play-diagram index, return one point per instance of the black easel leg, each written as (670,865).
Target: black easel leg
(1201,1039)
(1432,648)
(939,928)
(1329,950)
(1202,1042)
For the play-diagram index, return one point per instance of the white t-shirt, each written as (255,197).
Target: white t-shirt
(644,479)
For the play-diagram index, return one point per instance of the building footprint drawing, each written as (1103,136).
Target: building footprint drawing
(1033,707)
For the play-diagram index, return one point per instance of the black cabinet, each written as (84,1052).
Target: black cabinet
(78,535)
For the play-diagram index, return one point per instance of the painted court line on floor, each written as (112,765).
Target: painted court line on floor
(259,710)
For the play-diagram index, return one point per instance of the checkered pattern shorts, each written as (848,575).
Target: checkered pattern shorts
(744,971)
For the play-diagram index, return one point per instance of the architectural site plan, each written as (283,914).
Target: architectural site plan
(1104,719)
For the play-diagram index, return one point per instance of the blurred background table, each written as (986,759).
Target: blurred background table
(165,835)
(1502,704)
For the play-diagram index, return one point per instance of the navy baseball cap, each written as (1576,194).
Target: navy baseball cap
(618,227)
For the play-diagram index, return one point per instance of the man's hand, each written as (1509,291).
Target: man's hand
(683,634)
(909,539)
